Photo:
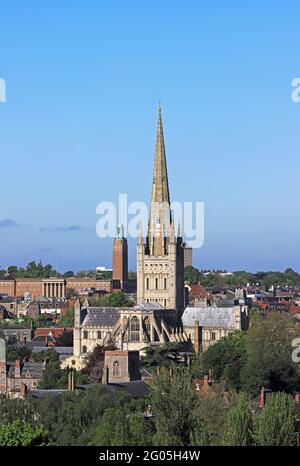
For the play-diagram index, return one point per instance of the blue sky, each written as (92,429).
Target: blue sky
(83,80)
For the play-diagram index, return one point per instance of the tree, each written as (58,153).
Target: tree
(268,349)
(210,413)
(119,300)
(172,398)
(12,270)
(276,425)
(239,423)
(67,319)
(191,274)
(95,362)
(119,427)
(163,355)
(14,352)
(21,434)
(226,359)
(55,378)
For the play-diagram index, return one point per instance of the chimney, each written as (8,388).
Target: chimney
(105,377)
(69,380)
(297,397)
(262,399)
(72,380)
(23,389)
(18,369)
(196,337)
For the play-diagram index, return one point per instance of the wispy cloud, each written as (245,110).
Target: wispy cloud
(66,229)
(9,223)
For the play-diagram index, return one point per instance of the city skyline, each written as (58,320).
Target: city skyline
(78,127)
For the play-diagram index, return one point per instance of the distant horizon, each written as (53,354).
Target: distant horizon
(109,268)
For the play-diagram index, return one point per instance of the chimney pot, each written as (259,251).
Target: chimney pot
(262,398)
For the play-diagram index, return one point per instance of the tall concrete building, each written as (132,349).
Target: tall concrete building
(160,256)
(120,257)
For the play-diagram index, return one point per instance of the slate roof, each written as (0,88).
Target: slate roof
(135,388)
(101,317)
(215,317)
(148,306)
(35,369)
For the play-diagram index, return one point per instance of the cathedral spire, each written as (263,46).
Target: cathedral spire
(160,212)
(160,185)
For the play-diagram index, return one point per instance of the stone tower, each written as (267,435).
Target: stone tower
(120,257)
(160,270)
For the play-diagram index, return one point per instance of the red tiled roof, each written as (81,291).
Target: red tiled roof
(56,332)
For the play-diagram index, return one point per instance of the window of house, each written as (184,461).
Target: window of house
(85,334)
(99,335)
(116,369)
(165,283)
(84,349)
(213,335)
(147,283)
(156,283)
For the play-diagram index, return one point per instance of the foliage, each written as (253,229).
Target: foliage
(239,423)
(268,361)
(226,359)
(122,424)
(33,270)
(276,425)
(162,355)
(67,319)
(21,434)
(191,274)
(172,399)
(95,362)
(211,412)
(14,352)
(56,378)
(119,299)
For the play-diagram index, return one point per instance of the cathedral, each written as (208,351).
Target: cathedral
(156,319)
(160,315)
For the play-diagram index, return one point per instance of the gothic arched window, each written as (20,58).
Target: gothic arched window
(134,329)
(147,327)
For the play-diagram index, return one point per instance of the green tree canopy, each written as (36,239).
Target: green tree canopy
(21,434)
(276,425)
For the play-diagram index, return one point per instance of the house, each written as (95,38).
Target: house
(18,377)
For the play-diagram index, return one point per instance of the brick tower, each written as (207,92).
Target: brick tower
(120,257)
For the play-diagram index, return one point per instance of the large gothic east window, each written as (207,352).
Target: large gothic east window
(134,329)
